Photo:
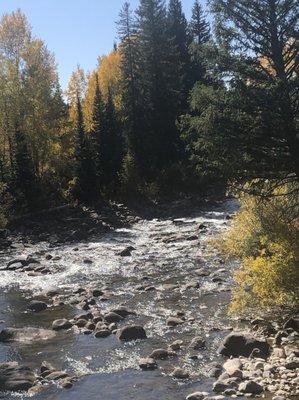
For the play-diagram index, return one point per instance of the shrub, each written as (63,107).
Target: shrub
(265,237)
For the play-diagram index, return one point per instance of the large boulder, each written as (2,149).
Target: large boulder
(242,344)
(131,332)
(14,377)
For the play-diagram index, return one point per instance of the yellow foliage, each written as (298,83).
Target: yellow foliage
(109,72)
(109,76)
(265,237)
(88,100)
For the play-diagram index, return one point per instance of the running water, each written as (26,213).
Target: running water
(170,270)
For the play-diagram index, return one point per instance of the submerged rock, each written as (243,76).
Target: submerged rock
(122,311)
(26,334)
(37,306)
(243,344)
(14,377)
(131,332)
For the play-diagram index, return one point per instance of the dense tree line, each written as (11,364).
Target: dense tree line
(170,107)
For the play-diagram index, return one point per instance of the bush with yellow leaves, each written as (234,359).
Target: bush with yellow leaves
(265,237)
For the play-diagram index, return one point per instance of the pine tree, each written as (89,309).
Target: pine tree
(199,31)
(159,133)
(180,58)
(199,27)
(111,145)
(133,114)
(25,181)
(86,180)
(97,130)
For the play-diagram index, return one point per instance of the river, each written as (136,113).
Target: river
(181,275)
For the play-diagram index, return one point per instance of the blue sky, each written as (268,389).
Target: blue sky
(76,31)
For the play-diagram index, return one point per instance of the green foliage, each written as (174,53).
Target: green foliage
(199,27)
(265,236)
(129,176)
(26,188)
(85,187)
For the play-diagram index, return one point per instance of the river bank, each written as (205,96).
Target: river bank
(72,284)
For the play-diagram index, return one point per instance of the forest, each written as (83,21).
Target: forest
(177,108)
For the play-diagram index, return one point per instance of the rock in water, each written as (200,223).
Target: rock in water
(26,334)
(179,373)
(112,317)
(250,387)
(292,323)
(148,364)
(126,252)
(174,321)
(197,343)
(241,344)
(197,396)
(159,354)
(37,306)
(123,311)
(131,332)
(14,377)
(60,324)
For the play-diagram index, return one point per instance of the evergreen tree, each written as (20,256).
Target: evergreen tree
(97,130)
(86,182)
(199,31)
(199,27)
(180,58)
(25,179)
(159,134)
(262,38)
(111,145)
(133,114)
(247,129)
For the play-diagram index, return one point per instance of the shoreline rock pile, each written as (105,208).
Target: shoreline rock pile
(258,365)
